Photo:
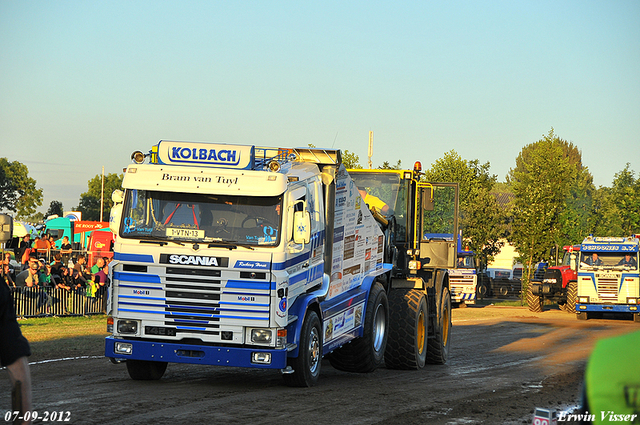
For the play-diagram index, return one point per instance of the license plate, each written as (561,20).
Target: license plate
(185,233)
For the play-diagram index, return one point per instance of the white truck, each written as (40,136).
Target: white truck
(244,256)
(608,279)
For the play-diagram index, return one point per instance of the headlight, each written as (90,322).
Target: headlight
(127,326)
(550,280)
(262,336)
(414,265)
(583,300)
(631,300)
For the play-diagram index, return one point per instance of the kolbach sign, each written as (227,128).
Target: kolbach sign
(205,154)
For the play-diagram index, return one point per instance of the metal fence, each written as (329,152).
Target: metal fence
(39,302)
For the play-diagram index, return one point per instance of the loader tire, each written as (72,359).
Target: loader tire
(408,329)
(438,346)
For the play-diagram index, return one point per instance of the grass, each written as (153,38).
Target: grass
(57,337)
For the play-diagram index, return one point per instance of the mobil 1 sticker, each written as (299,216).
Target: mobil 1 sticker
(194,260)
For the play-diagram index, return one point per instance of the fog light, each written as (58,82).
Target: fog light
(583,307)
(261,335)
(127,326)
(123,348)
(263,358)
(583,300)
(633,308)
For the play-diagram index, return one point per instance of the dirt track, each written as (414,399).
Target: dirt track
(504,361)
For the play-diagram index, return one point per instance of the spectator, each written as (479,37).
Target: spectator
(57,264)
(29,277)
(100,262)
(81,265)
(42,246)
(6,276)
(102,280)
(65,250)
(23,251)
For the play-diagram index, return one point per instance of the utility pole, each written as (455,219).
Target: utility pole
(370,147)
(102,195)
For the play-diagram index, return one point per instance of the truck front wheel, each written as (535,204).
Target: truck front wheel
(306,367)
(143,370)
(408,328)
(365,354)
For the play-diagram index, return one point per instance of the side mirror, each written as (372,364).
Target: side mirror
(117,196)
(427,199)
(114,218)
(301,227)
(6,228)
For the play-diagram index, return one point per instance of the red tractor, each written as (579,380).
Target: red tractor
(559,284)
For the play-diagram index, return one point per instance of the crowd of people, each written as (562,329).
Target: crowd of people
(35,267)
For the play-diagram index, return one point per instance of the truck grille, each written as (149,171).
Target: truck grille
(608,289)
(197,300)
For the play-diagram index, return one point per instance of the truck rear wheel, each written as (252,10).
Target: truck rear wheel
(143,370)
(408,328)
(438,346)
(533,301)
(365,354)
(306,367)
(572,296)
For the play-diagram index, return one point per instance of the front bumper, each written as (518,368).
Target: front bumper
(195,354)
(611,308)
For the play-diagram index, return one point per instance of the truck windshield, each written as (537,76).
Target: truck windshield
(465,262)
(188,217)
(609,260)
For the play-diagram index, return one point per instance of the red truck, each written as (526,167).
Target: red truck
(559,284)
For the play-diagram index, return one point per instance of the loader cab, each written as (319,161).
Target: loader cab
(416,210)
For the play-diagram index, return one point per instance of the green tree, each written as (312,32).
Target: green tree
(55,208)
(18,192)
(386,166)
(625,195)
(550,185)
(90,201)
(350,160)
(481,219)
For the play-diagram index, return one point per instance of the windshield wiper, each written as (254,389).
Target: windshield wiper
(229,245)
(161,243)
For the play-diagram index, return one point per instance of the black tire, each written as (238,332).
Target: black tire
(438,346)
(482,290)
(408,330)
(143,370)
(534,301)
(306,367)
(504,291)
(365,354)
(572,297)
(583,315)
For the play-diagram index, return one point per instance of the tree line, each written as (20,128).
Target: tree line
(548,200)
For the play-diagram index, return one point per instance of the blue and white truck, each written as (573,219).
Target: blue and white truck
(608,279)
(244,256)
(463,278)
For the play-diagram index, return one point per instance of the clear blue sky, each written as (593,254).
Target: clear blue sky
(84,83)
